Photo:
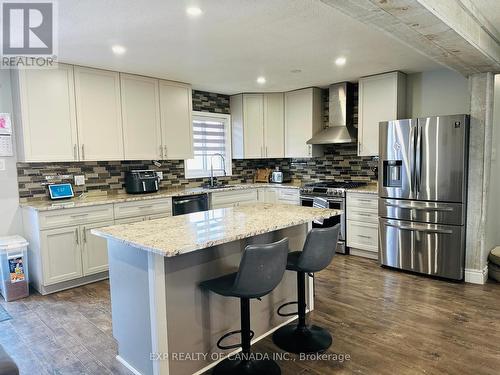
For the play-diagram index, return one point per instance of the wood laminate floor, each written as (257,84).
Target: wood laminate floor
(387,322)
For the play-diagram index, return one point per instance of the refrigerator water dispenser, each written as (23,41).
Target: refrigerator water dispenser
(392,173)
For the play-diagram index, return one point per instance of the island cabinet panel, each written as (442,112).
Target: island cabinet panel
(98,109)
(303,118)
(176,121)
(381,98)
(94,250)
(61,256)
(141,117)
(44,104)
(362,224)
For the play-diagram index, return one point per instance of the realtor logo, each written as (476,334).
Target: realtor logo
(28,33)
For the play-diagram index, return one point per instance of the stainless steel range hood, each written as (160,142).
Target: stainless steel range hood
(340,125)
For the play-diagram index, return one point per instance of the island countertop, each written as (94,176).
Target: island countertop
(176,235)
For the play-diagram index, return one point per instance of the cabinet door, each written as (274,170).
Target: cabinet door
(47,105)
(94,250)
(274,125)
(362,235)
(378,101)
(130,220)
(176,122)
(140,99)
(253,125)
(98,112)
(61,255)
(302,120)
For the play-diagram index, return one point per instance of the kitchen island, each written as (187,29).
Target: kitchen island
(163,321)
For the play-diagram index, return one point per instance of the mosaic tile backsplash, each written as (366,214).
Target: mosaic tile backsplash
(340,162)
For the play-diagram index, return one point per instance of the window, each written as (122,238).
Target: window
(211,136)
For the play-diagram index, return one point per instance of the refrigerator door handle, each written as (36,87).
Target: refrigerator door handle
(418,157)
(412,207)
(412,159)
(419,228)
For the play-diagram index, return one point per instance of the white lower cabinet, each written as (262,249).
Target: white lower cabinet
(94,250)
(233,198)
(61,255)
(362,224)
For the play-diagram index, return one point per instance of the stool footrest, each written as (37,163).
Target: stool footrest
(285,305)
(227,347)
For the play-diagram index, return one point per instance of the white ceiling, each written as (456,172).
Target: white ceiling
(231,43)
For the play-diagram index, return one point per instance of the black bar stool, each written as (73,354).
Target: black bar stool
(261,270)
(316,255)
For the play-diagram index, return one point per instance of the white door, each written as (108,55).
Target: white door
(98,113)
(140,99)
(61,255)
(274,125)
(94,249)
(253,125)
(378,101)
(47,101)
(298,123)
(176,123)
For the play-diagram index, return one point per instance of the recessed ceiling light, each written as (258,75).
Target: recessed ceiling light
(118,50)
(261,80)
(340,61)
(194,11)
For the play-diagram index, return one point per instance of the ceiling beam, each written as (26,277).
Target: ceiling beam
(451,32)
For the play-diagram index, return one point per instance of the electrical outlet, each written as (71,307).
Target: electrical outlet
(79,180)
(160,175)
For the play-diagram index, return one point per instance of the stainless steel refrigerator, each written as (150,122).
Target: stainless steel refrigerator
(422,194)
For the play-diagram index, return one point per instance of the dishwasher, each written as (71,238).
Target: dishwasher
(190,203)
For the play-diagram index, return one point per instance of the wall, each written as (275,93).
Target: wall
(437,92)
(493,216)
(9,200)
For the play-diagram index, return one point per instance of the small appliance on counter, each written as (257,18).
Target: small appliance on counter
(60,191)
(279,177)
(141,181)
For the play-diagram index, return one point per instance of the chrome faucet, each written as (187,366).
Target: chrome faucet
(212,167)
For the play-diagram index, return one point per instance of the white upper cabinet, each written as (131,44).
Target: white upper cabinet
(303,118)
(253,125)
(381,98)
(141,117)
(44,103)
(98,109)
(176,122)
(274,125)
(257,122)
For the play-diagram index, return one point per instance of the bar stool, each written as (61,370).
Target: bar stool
(318,252)
(261,269)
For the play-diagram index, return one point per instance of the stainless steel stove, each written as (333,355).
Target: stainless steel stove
(334,192)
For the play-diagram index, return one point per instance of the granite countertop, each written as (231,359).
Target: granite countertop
(368,189)
(47,205)
(182,234)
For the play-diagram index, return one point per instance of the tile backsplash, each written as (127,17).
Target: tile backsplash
(340,162)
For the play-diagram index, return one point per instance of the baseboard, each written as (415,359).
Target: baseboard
(363,253)
(127,365)
(476,276)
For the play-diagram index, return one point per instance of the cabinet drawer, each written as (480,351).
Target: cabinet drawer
(224,198)
(361,214)
(75,216)
(365,201)
(290,195)
(362,236)
(143,208)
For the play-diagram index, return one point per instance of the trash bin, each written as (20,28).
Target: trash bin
(14,283)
